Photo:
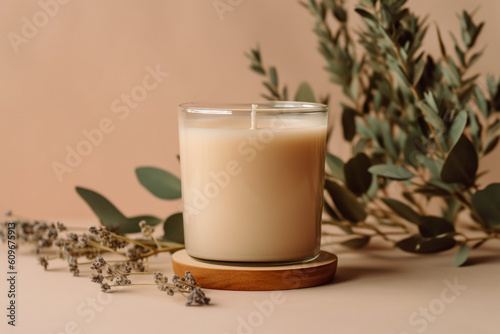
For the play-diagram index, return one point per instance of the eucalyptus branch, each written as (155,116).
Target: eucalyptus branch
(270,74)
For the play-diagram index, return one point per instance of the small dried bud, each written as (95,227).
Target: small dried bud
(98,263)
(197,296)
(105,287)
(42,260)
(96,278)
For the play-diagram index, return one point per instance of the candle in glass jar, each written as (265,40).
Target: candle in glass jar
(252,180)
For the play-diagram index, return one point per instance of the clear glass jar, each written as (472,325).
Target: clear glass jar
(252,180)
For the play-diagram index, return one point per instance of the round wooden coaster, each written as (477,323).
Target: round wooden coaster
(254,278)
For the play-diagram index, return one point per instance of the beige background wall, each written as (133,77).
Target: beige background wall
(65,76)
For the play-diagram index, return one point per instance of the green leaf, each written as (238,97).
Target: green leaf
(372,191)
(131,225)
(432,192)
(305,93)
(357,177)
(110,216)
(348,123)
(431,226)
(491,144)
(402,210)
(441,44)
(481,102)
(432,117)
(431,101)
(159,182)
(258,69)
(413,150)
(174,228)
(453,208)
(329,210)
(487,204)
(474,58)
(402,74)
(461,163)
(339,13)
(457,127)
(273,76)
(107,213)
(461,257)
(418,244)
(388,139)
(336,166)
(346,202)
(432,165)
(492,86)
(392,172)
(356,243)
(419,71)
(475,130)
(366,15)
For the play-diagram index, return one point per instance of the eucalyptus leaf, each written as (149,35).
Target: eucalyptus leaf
(107,213)
(441,44)
(403,210)
(336,166)
(457,127)
(356,243)
(348,123)
(388,139)
(462,255)
(392,172)
(346,202)
(432,192)
(475,130)
(131,225)
(329,210)
(486,202)
(305,93)
(357,177)
(491,144)
(159,182)
(420,245)
(461,163)
(481,102)
(173,228)
(273,76)
(432,117)
(366,15)
(374,187)
(339,13)
(413,151)
(432,165)
(432,226)
(110,216)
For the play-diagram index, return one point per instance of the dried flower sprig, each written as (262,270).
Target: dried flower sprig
(117,275)
(94,245)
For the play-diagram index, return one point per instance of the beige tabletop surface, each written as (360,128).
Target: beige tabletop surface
(376,290)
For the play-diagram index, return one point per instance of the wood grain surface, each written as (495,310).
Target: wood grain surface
(252,277)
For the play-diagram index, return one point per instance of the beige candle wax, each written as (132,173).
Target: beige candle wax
(252,180)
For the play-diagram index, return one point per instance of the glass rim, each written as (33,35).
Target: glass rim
(262,107)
